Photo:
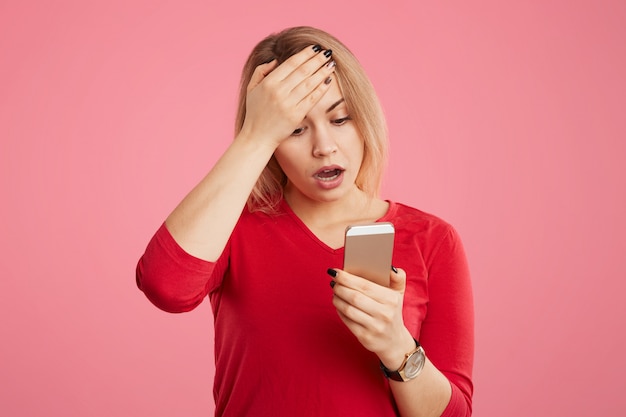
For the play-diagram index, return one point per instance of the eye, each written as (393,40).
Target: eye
(299,131)
(341,121)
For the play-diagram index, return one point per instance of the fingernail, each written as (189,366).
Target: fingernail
(328,53)
(328,80)
(270,60)
(331,64)
(332,284)
(317,48)
(331,272)
(394,269)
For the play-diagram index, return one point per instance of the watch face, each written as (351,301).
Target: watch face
(414,364)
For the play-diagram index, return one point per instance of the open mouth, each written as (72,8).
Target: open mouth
(328,174)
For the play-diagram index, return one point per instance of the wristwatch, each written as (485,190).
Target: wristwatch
(411,367)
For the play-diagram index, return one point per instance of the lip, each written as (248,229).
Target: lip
(329,177)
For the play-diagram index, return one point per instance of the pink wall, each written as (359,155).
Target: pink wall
(506,118)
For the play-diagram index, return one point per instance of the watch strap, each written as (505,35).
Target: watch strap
(396,375)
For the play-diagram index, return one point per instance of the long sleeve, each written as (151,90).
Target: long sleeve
(272,307)
(172,279)
(449,324)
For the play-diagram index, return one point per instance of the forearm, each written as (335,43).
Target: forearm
(425,396)
(428,394)
(204,220)
(274,107)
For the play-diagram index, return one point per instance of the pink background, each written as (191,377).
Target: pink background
(506,119)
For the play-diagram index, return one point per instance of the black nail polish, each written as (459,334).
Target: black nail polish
(331,272)
(394,269)
(327,80)
(328,53)
(332,284)
(317,48)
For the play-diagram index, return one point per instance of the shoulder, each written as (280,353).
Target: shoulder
(422,229)
(263,221)
(407,217)
(436,240)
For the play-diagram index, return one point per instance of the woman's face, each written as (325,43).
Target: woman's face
(322,158)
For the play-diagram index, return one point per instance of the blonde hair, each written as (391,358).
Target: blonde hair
(360,98)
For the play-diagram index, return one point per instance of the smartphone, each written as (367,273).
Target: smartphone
(367,251)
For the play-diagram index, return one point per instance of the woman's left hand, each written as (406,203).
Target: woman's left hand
(374,314)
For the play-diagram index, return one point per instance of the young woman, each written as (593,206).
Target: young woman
(261,231)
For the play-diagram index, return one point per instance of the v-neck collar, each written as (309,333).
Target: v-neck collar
(284,206)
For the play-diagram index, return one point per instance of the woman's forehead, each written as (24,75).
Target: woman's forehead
(332,99)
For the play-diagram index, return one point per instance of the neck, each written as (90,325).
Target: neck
(351,208)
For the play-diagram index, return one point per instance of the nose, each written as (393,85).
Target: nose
(323,143)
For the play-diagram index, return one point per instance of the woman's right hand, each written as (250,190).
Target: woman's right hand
(279,97)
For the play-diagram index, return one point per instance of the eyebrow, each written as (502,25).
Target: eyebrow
(338,102)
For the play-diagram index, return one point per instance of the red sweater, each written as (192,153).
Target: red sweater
(280,347)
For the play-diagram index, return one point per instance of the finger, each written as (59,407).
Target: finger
(397,281)
(357,328)
(368,329)
(377,293)
(312,55)
(285,77)
(358,298)
(311,71)
(354,282)
(260,73)
(299,82)
(351,311)
(313,88)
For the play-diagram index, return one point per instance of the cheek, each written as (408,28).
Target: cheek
(358,149)
(286,159)
(358,157)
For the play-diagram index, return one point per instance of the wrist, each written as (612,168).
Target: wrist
(411,365)
(249,143)
(393,357)
(259,137)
